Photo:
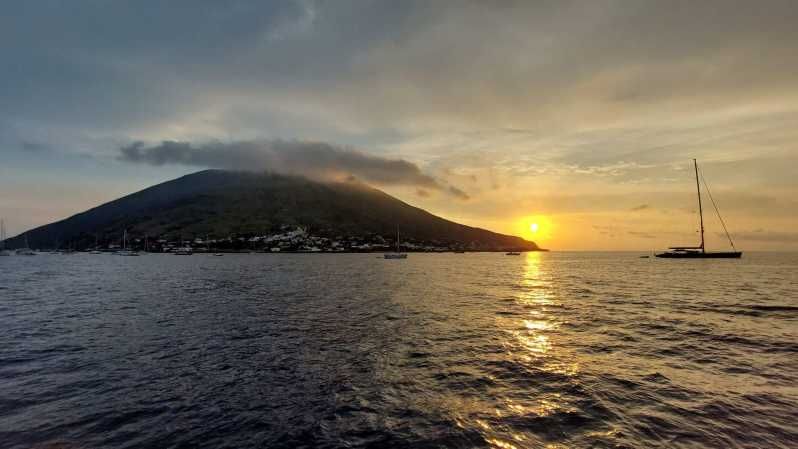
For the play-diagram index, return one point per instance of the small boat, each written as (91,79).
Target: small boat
(26,251)
(512,253)
(184,250)
(124,251)
(3,250)
(218,255)
(127,252)
(394,256)
(96,248)
(700,252)
(398,254)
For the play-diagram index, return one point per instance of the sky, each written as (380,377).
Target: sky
(580,116)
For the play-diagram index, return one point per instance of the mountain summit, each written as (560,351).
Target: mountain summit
(224,204)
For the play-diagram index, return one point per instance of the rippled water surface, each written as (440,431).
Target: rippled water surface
(558,350)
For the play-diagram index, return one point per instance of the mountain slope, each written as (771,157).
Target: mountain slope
(222,203)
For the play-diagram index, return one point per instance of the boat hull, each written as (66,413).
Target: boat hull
(698,255)
(395,256)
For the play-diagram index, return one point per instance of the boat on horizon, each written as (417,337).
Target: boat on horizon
(184,250)
(398,254)
(3,250)
(124,251)
(700,252)
(512,253)
(26,251)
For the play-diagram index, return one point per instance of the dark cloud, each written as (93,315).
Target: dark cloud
(640,207)
(113,65)
(605,230)
(317,160)
(34,147)
(457,192)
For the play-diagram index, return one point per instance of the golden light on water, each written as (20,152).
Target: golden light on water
(532,327)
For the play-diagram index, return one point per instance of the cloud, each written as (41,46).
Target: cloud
(584,106)
(34,147)
(458,193)
(640,207)
(761,235)
(317,160)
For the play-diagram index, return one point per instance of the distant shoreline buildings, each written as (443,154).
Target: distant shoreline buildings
(287,240)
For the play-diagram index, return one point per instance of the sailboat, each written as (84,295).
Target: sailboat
(700,252)
(125,251)
(184,250)
(3,250)
(208,247)
(398,254)
(26,251)
(96,249)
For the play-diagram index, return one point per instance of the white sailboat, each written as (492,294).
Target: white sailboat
(125,251)
(26,251)
(3,250)
(398,254)
(96,249)
(184,250)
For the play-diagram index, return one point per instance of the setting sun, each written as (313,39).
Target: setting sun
(533,227)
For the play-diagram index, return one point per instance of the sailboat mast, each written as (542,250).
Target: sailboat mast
(700,210)
(397,240)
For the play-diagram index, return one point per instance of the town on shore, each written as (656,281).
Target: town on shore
(287,240)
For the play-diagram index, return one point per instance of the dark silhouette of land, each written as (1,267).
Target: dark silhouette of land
(234,206)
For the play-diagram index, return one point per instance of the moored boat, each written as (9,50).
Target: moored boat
(26,251)
(700,252)
(398,254)
(124,251)
(3,250)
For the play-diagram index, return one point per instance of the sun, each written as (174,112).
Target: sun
(534,227)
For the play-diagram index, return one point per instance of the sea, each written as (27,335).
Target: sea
(554,350)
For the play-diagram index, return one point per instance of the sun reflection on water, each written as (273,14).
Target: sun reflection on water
(532,324)
(534,354)
(537,298)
